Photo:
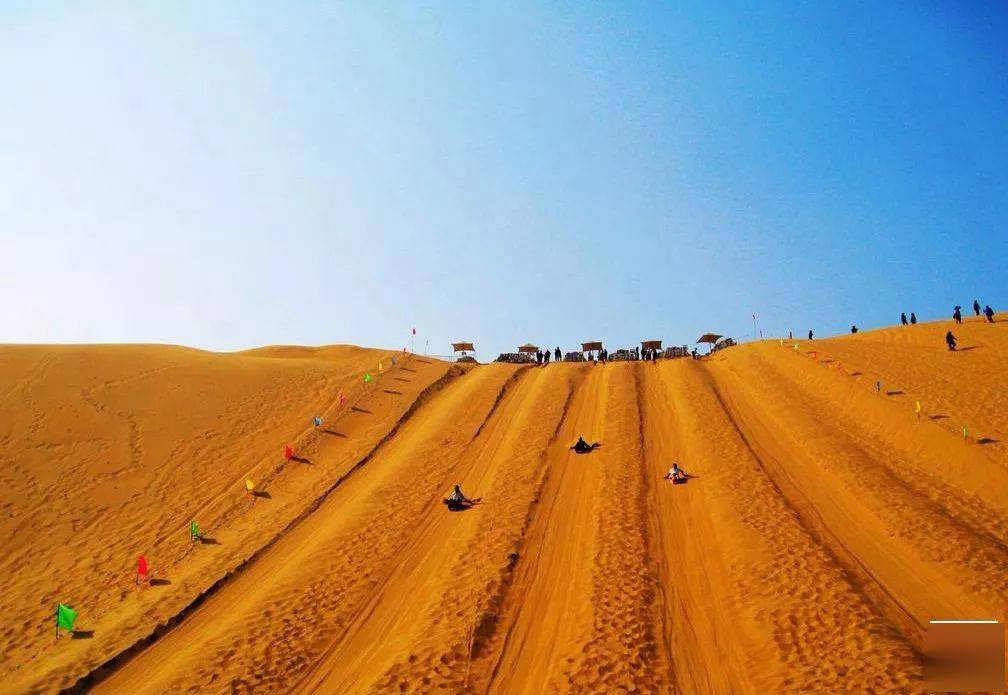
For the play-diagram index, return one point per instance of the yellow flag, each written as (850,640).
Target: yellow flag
(379,366)
(917,407)
(249,485)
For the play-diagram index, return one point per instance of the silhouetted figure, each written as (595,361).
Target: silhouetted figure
(810,335)
(989,313)
(538,356)
(903,318)
(976,307)
(950,340)
(853,329)
(913,318)
(583,447)
(556,353)
(654,355)
(957,315)
(546,356)
(790,335)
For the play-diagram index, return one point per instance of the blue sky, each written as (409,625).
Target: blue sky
(227,175)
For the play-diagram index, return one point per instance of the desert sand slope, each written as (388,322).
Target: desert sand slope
(959,388)
(825,524)
(109,451)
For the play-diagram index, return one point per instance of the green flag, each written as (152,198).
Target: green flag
(193,530)
(65,617)
(367,377)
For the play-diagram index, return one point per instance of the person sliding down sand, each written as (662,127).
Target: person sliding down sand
(456,501)
(676,474)
(583,447)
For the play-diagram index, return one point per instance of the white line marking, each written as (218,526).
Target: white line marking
(948,622)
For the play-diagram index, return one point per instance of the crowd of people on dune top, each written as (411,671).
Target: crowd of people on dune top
(602,355)
(457,501)
(950,339)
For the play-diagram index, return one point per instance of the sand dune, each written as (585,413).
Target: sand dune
(826,524)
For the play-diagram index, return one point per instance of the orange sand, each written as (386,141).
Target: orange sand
(826,525)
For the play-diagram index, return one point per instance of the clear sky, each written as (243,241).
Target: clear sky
(227,175)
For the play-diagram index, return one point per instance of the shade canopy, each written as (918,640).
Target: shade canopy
(709,338)
(463,347)
(651,344)
(594,345)
(528,347)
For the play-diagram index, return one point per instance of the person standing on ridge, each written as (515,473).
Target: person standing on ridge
(913,318)
(957,314)
(976,307)
(556,353)
(810,334)
(853,329)
(950,340)
(989,313)
(903,318)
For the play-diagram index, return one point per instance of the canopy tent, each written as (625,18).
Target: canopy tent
(528,347)
(650,344)
(594,345)
(463,347)
(709,338)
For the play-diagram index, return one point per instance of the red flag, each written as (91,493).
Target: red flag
(142,566)
(288,452)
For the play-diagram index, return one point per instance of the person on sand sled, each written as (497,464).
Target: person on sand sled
(676,474)
(458,502)
(583,447)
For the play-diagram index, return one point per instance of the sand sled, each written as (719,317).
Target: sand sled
(679,481)
(458,506)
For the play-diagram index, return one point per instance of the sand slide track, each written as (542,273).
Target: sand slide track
(958,567)
(100,673)
(790,585)
(327,565)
